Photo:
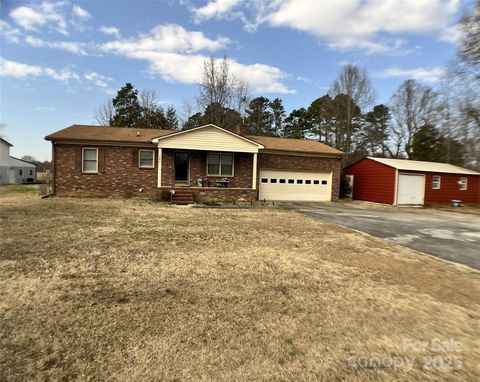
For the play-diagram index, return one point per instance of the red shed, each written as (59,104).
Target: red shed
(401,181)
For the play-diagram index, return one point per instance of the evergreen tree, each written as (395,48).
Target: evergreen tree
(298,124)
(278,117)
(259,117)
(376,131)
(127,110)
(171,118)
(427,145)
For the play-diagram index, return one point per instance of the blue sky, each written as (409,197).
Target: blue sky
(61,59)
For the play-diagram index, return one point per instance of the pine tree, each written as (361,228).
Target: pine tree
(127,110)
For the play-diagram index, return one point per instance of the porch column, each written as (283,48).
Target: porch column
(159,180)
(254,172)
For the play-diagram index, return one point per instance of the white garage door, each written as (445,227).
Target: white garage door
(411,189)
(295,185)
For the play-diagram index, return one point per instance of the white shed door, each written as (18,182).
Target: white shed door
(411,189)
(295,185)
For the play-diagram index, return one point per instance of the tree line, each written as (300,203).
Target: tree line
(419,122)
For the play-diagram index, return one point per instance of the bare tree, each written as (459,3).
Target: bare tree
(469,45)
(413,105)
(104,114)
(221,89)
(354,83)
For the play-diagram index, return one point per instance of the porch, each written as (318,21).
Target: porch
(211,163)
(195,174)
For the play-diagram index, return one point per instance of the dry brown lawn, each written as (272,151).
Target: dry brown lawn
(130,290)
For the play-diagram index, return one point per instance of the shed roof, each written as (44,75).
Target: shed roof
(415,165)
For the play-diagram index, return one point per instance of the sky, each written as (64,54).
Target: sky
(60,60)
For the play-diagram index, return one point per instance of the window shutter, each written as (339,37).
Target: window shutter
(78,159)
(135,157)
(101,159)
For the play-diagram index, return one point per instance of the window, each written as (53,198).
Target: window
(146,158)
(291,181)
(316,182)
(282,181)
(299,181)
(324,182)
(273,181)
(436,182)
(220,165)
(89,160)
(20,172)
(31,172)
(462,184)
(264,180)
(308,181)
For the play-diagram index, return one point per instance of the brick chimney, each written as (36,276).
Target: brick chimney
(241,129)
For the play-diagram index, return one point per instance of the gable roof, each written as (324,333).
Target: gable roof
(415,165)
(210,125)
(295,145)
(4,141)
(83,133)
(107,134)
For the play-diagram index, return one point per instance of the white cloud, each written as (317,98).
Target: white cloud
(420,74)
(368,26)
(97,79)
(19,70)
(214,9)
(9,33)
(168,38)
(81,13)
(175,54)
(111,31)
(72,47)
(39,15)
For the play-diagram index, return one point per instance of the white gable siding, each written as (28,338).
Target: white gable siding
(209,139)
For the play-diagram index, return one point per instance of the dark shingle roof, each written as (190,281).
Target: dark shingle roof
(106,134)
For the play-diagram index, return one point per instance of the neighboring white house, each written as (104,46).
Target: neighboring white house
(13,170)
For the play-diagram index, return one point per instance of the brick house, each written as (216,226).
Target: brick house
(205,162)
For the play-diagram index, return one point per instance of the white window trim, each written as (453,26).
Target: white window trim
(153,159)
(439,182)
(461,183)
(96,160)
(220,165)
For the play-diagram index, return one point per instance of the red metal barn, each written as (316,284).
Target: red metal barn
(401,181)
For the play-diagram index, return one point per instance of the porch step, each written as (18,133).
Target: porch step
(183,197)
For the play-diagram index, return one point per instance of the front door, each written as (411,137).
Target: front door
(182,167)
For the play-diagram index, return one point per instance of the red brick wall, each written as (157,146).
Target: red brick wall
(242,177)
(372,181)
(303,163)
(120,173)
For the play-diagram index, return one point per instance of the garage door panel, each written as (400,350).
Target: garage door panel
(411,189)
(295,185)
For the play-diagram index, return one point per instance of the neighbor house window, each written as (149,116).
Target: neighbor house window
(20,172)
(220,165)
(436,182)
(146,158)
(89,160)
(31,172)
(463,183)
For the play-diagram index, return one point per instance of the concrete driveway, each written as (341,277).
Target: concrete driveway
(450,236)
